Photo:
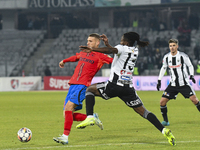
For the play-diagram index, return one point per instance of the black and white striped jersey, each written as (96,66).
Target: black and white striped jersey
(123,65)
(177,68)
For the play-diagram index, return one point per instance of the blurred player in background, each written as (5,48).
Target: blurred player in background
(120,83)
(176,61)
(88,65)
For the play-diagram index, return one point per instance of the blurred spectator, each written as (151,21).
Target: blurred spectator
(196,51)
(184,39)
(160,43)
(162,26)
(135,23)
(184,28)
(147,50)
(154,23)
(175,23)
(157,43)
(198,68)
(151,61)
(158,58)
(142,66)
(47,71)
(30,24)
(135,71)
(56,26)
(194,21)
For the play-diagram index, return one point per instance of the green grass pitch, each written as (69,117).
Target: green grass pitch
(123,128)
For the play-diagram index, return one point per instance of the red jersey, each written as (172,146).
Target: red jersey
(88,65)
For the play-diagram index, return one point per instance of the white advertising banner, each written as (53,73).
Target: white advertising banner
(20,83)
(140,83)
(149,83)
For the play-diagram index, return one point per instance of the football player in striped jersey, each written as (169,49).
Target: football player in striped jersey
(177,62)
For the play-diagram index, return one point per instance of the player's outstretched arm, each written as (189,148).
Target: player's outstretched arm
(105,50)
(105,40)
(61,64)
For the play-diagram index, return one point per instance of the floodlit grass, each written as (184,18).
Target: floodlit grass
(123,128)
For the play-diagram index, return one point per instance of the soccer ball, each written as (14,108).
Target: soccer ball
(24,134)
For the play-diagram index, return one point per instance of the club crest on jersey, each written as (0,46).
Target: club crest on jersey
(166,94)
(122,72)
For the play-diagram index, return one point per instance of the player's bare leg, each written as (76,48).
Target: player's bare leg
(195,101)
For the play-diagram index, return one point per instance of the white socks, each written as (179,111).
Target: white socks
(90,116)
(163,130)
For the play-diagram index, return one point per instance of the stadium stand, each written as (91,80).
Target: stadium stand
(69,40)
(67,44)
(16,47)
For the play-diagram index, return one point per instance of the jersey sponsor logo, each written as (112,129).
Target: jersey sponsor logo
(177,66)
(125,72)
(125,77)
(86,60)
(14,83)
(134,103)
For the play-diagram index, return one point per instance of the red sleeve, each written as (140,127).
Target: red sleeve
(106,58)
(72,58)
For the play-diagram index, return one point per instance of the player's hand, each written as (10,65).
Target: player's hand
(104,39)
(192,78)
(158,85)
(61,64)
(85,49)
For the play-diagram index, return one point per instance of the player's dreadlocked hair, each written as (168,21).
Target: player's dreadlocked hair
(131,37)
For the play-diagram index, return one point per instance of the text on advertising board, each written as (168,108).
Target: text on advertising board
(59,3)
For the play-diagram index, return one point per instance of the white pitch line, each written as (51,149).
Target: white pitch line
(108,144)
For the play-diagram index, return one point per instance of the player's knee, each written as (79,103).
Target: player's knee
(90,89)
(89,93)
(146,112)
(193,98)
(163,102)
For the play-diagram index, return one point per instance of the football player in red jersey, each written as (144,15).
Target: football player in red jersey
(88,65)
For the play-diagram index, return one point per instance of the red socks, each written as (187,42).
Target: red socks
(69,118)
(79,116)
(68,122)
